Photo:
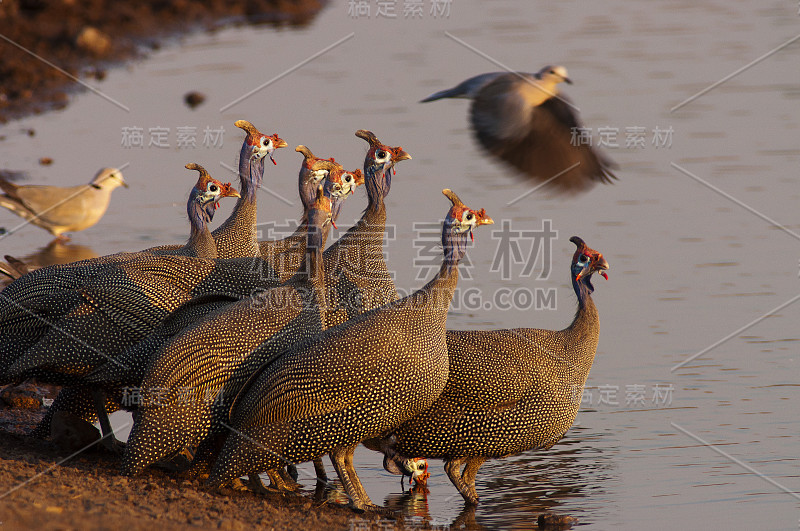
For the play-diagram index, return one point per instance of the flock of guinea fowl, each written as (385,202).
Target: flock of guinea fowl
(253,356)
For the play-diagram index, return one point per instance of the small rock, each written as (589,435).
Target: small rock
(556,521)
(45,161)
(21,397)
(54,509)
(194,98)
(94,41)
(31,132)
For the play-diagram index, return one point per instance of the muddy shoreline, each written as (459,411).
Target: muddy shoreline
(46,48)
(68,483)
(51,50)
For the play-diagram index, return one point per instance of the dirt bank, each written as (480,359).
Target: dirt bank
(46,45)
(42,487)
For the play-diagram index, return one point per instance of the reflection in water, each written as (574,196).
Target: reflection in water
(520,488)
(412,503)
(516,490)
(59,253)
(54,253)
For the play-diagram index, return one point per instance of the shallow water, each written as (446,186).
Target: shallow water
(700,264)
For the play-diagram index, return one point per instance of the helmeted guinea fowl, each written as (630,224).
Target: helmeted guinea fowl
(237,236)
(508,391)
(351,382)
(230,239)
(50,364)
(356,276)
(31,305)
(525,121)
(214,357)
(281,258)
(127,370)
(58,210)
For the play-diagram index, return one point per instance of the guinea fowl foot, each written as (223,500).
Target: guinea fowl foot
(280,481)
(113,445)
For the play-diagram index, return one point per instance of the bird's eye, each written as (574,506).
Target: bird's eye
(347,178)
(266,142)
(469,216)
(381,154)
(212,187)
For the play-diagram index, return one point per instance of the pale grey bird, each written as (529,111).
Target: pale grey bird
(525,121)
(58,210)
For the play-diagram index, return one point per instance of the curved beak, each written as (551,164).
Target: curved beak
(229,191)
(278,142)
(601,266)
(399,154)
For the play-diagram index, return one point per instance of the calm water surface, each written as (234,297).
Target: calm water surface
(704,255)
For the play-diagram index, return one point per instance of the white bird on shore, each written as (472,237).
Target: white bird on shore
(58,210)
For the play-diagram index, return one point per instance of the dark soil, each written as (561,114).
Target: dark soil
(81,38)
(43,486)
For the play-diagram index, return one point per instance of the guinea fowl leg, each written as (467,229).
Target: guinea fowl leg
(352,486)
(280,480)
(453,470)
(468,476)
(254,484)
(351,471)
(109,441)
(319,469)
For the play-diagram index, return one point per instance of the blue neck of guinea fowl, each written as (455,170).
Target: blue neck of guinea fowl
(454,245)
(251,171)
(378,181)
(586,319)
(200,215)
(308,189)
(316,231)
(583,289)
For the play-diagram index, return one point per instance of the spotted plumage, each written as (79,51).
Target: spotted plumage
(64,321)
(508,390)
(350,382)
(202,369)
(31,306)
(355,269)
(282,257)
(280,260)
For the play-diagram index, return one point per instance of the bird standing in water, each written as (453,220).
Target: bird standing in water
(507,391)
(525,121)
